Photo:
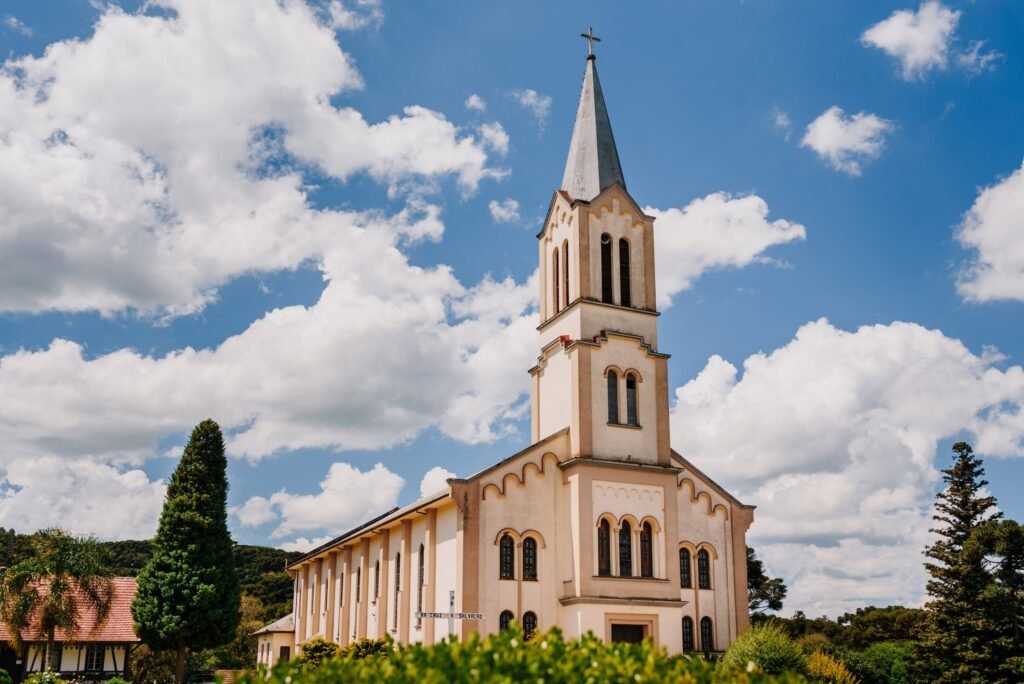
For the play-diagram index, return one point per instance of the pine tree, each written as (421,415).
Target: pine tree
(189,595)
(956,639)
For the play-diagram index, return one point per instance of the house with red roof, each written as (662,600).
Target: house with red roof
(96,652)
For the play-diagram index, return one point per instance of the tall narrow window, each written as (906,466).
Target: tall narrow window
(604,549)
(688,634)
(507,557)
(556,281)
(398,584)
(419,588)
(565,273)
(703,569)
(359,582)
(606,269)
(376,580)
(685,571)
(625,549)
(624,297)
(530,559)
(631,418)
(613,397)
(505,619)
(646,551)
(707,635)
(529,623)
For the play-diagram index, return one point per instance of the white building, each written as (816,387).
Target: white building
(598,525)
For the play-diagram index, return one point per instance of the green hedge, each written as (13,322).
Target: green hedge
(505,657)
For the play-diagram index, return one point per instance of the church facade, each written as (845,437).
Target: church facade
(598,525)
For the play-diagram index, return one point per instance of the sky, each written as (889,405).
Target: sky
(314,221)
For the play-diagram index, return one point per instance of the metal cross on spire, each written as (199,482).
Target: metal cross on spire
(592,39)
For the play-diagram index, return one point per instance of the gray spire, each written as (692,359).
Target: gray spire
(593,163)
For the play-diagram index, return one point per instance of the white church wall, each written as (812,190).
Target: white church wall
(447,564)
(618,220)
(556,394)
(417,535)
(617,441)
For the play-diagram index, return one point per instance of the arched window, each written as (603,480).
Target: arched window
(613,397)
(419,588)
(565,272)
(688,634)
(707,635)
(555,281)
(631,400)
(606,269)
(529,623)
(624,297)
(604,549)
(625,549)
(646,551)
(685,571)
(376,580)
(530,559)
(703,569)
(507,557)
(398,584)
(505,619)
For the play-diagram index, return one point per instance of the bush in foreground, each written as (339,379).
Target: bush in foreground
(769,647)
(506,657)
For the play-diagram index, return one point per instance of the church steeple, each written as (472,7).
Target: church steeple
(593,163)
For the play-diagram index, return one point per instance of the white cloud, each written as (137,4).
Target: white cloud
(975,61)
(505,211)
(365,13)
(434,481)
(994,226)
(713,232)
(304,545)
(476,102)
(494,137)
(79,495)
(847,142)
(17,25)
(140,168)
(781,121)
(834,436)
(348,496)
(919,40)
(538,105)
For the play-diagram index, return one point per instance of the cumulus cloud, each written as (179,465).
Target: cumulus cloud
(476,103)
(139,171)
(358,15)
(919,40)
(834,437)
(78,495)
(710,233)
(494,137)
(538,105)
(847,142)
(435,480)
(994,227)
(347,497)
(304,545)
(505,211)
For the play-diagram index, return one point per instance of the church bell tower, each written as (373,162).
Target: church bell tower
(599,372)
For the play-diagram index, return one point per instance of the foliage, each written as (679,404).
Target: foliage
(317,650)
(117,680)
(887,662)
(5,677)
(153,667)
(189,595)
(507,657)
(999,544)
(768,646)
(240,652)
(43,678)
(366,647)
(41,589)
(958,635)
(764,593)
(823,667)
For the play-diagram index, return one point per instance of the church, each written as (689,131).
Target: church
(597,526)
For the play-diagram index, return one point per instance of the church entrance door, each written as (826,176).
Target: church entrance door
(630,634)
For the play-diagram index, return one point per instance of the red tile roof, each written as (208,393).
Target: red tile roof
(119,625)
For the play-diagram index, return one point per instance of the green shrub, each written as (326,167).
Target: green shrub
(825,668)
(317,650)
(117,680)
(366,647)
(814,642)
(506,657)
(887,662)
(5,677)
(43,678)
(768,646)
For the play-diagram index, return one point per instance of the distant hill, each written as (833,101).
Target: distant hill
(260,568)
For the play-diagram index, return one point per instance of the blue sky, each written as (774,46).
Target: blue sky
(220,181)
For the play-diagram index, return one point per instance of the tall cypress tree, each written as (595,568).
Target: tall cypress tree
(957,635)
(188,595)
